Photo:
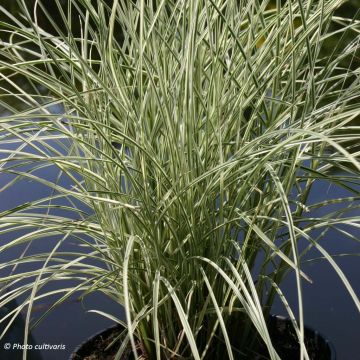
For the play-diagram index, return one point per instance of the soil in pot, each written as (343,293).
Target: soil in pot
(287,346)
(102,346)
(285,342)
(105,345)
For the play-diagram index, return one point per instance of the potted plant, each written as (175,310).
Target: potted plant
(190,134)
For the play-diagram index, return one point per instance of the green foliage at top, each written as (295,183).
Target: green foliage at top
(194,131)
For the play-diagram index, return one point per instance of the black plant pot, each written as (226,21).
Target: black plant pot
(280,328)
(285,341)
(101,338)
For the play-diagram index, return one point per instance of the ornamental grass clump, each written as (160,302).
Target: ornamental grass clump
(190,134)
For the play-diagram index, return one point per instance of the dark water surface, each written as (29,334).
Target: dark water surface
(328,306)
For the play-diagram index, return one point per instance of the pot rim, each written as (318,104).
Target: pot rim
(272,316)
(91,337)
(313,331)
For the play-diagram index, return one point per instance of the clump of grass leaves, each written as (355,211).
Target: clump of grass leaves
(191,133)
